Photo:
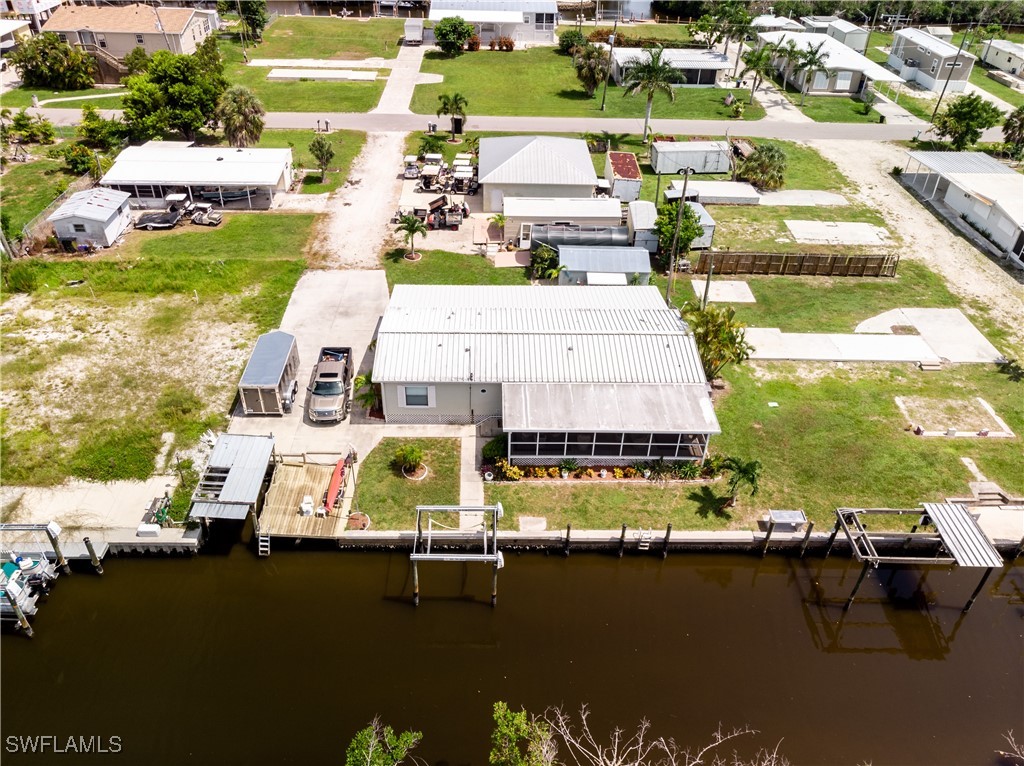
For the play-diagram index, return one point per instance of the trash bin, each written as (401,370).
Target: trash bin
(881,118)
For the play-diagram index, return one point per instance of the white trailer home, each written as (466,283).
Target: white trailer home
(702,156)
(1005,55)
(95,217)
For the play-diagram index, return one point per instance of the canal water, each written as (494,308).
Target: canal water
(232,659)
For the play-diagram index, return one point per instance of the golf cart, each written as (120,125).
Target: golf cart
(412,168)
(179,203)
(204,215)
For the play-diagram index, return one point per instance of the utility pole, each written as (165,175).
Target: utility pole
(687,172)
(956,60)
(611,59)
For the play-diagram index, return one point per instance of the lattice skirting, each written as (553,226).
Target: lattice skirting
(549,460)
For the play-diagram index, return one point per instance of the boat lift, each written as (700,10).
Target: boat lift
(444,542)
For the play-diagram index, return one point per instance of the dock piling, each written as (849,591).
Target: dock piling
(97,564)
(568,535)
(668,535)
(768,538)
(856,587)
(19,614)
(415,584)
(55,544)
(807,538)
(494,586)
(622,541)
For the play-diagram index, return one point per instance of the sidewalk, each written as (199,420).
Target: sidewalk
(404,77)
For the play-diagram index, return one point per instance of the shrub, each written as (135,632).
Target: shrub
(713,466)
(408,457)
(737,109)
(618,473)
(492,44)
(630,472)
(569,39)
(473,43)
(897,171)
(686,470)
(569,465)
(505,471)
(495,449)
(20,277)
(553,472)
(506,43)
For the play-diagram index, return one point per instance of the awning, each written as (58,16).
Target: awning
(235,511)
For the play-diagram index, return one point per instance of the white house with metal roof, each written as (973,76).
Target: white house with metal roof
(533,166)
(978,188)
(1005,55)
(770,23)
(94,217)
(848,72)
(220,174)
(606,375)
(603,265)
(925,59)
(849,34)
(234,480)
(525,21)
(695,67)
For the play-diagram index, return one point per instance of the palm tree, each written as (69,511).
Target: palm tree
(241,112)
(1013,129)
(765,168)
(453,105)
(759,62)
(368,393)
(721,339)
(649,76)
(812,60)
(410,226)
(743,472)
(593,65)
(431,143)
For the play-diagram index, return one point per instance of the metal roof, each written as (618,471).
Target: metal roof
(702,213)
(1007,46)
(631,260)
(206,510)
(643,214)
(533,334)
(559,208)
(268,359)
(931,43)
(10,26)
(844,26)
(92,204)
(768,21)
(519,6)
(962,536)
(233,477)
(607,407)
(624,165)
(678,58)
(670,148)
(961,162)
(198,165)
(544,160)
(841,57)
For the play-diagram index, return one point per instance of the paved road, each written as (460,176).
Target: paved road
(408,122)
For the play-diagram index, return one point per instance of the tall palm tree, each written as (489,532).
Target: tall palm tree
(241,113)
(812,60)
(410,226)
(593,65)
(1013,129)
(649,76)
(743,472)
(759,62)
(765,168)
(452,105)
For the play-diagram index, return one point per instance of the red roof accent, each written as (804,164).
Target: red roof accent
(624,165)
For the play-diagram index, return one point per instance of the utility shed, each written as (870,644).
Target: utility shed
(604,265)
(702,156)
(707,223)
(92,217)
(270,380)
(848,34)
(641,216)
(523,213)
(413,31)
(622,172)
(233,482)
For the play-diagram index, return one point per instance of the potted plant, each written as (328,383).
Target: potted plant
(487,472)
(409,459)
(568,466)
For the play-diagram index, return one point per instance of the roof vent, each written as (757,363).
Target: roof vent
(219,159)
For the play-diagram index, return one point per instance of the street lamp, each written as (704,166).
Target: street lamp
(685,173)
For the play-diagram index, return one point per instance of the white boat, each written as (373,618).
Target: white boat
(25,579)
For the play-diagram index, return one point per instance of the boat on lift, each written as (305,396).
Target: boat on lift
(26,580)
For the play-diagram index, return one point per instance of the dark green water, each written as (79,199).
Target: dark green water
(239,660)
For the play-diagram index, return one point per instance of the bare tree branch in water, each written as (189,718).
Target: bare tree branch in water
(1016,752)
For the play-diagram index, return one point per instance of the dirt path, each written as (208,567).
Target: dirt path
(968,272)
(359,215)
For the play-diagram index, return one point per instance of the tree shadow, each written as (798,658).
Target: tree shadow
(709,503)
(572,94)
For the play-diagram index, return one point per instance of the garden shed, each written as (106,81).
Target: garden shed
(604,265)
(561,368)
(271,376)
(533,166)
(641,217)
(95,217)
(848,34)
(707,223)
(523,213)
(702,156)
(622,172)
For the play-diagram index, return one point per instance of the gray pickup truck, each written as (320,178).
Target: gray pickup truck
(329,394)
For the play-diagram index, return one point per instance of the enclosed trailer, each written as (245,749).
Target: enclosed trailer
(641,217)
(707,223)
(413,31)
(622,172)
(702,156)
(270,380)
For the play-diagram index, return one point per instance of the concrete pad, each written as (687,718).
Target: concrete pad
(802,198)
(325,75)
(517,258)
(371,63)
(837,233)
(771,343)
(115,504)
(949,333)
(724,291)
(532,524)
(1001,524)
(471,521)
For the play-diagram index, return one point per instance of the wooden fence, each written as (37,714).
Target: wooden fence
(800,264)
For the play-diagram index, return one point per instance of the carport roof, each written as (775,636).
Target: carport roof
(198,166)
(233,478)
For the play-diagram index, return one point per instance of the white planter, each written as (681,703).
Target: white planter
(565,474)
(488,476)
(603,473)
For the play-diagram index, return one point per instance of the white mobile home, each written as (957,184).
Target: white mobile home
(848,34)
(1004,55)
(848,72)
(641,217)
(245,178)
(702,156)
(533,166)
(919,57)
(523,213)
(604,265)
(694,67)
(605,375)
(769,23)
(525,21)
(94,217)
(817,24)
(622,172)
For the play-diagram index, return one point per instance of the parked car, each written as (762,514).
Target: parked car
(205,215)
(329,391)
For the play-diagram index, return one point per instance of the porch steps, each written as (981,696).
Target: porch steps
(929,366)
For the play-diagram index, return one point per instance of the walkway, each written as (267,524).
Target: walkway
(404,77)
(112,94)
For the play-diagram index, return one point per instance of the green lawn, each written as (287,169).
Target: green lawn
(438,267)
(19,97)
(390,499)
(347,145)
(541,82)
(301,37)
(26,188)
(763,228)
(837,109)
(980,78)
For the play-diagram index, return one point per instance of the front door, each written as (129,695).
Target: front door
(86,37)
(525,236)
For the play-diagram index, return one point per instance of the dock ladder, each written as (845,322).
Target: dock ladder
(264,544)
(644,537)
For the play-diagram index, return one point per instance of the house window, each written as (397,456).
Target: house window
(101,40)
(206,25)
(62,37)
(80,227)
(820,81)
(954,64)
(140,40)
(843,80)
(418,396)
(544,21)
(935,63)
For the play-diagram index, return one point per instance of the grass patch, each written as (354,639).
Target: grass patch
(763,227)
(116,453)
(347,145)
(541,82)
(438,267)
(837,109)
(22,97)
(28,187)
(300,37)
(390,499)
(33,456)
(181,500)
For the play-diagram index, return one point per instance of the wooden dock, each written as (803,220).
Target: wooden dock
(294,478)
